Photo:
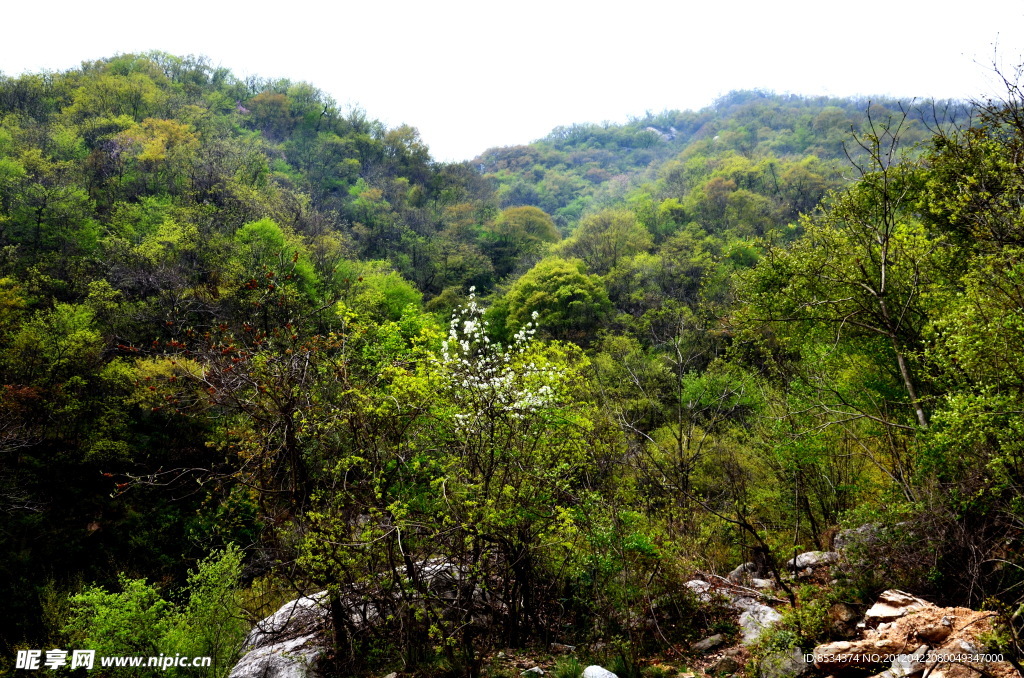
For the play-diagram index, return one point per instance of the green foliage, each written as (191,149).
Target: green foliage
(567,667)
(375,289)
(212,329)
(560,297)
(131,622)
(55,345)
(603,239)
(803,625)
(138,621)
(518,233)
(211,622)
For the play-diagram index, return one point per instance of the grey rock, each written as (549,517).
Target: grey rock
(738,575)
(762,583)
(708,643)
(755,617)
(813,559)
(969,647)
(701,589)
(535,671)
(296,658)
(754,621)
(784,664)
(391,675)
(561,649)
(287,644)
(296,618)
(595,671)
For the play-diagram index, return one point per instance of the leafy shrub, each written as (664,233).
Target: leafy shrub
(138,621)
(803,625)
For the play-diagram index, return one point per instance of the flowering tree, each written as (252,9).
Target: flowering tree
(453,512)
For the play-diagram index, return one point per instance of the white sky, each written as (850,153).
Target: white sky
(471,75)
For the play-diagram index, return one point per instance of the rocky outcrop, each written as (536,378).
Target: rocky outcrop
(804,564)
(743,573)
(892,605)
(288,643)
(292,642)
(858,537)
(903,635)
(755,616)
(701,589)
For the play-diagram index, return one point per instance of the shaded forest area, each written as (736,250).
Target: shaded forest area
(253,346)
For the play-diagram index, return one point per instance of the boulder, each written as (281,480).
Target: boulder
(936,633)
(740,574)
(724,665)
(299,617)
(708,643)
(857,537)
(755,617)
(893,604)
(595,671)
(813,559)
(288,643)
(296,658)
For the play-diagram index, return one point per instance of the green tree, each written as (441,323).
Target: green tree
(559,297)
(517,234)
(861,271)
(603,239)
(460,460)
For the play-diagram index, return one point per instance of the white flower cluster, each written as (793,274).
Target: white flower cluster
(491,378)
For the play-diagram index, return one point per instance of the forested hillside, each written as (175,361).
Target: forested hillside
(254,346)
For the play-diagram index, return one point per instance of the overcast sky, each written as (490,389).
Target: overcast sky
(471,75)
